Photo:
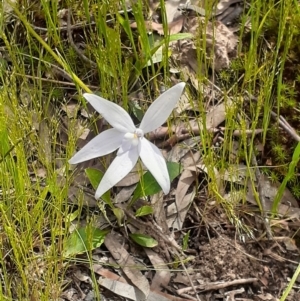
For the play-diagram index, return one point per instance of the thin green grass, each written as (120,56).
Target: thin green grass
(34,207)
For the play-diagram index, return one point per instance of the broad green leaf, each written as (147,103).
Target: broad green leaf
(143,240)
(148,184)
(83,240)
(95,176)
(144,210)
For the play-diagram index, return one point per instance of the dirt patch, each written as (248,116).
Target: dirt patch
(255,271)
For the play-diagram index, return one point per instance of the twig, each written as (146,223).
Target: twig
(282,122)
(183,134)
(286,126)
(216,285)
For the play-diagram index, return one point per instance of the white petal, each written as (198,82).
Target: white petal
(156,164)
(161,108)
(103,144)
(115,115)
(117,170)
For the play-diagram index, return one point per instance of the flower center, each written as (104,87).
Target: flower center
(131,140)
(139,133)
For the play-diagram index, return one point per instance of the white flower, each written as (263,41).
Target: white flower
(129,140)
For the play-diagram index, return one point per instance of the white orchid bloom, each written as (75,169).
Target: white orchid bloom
(129,140)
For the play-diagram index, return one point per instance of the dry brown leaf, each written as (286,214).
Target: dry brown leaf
(237,173)
(153,296)
(177,212)
(124,195)
(271,189)
(82,276)
(288,205)
(122,289)
(217,115)
(185,181)
(179,150)
(162,273)
(172,12)
(214,117)
(290,244)
(127,264)
(190,159)
(217,177)
(220,44)
(159,213)
(71,109)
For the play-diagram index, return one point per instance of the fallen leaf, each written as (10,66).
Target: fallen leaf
(122,289)
(127,264)
(162,273)
(153,296)
(175,216)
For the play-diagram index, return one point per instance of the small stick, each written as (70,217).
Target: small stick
(216,285)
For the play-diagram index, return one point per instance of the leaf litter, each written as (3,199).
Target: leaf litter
(215,262)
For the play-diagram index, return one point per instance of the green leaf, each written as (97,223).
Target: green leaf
(145,210)
(148,184)
(95,176)
(144,240)
(83,240)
